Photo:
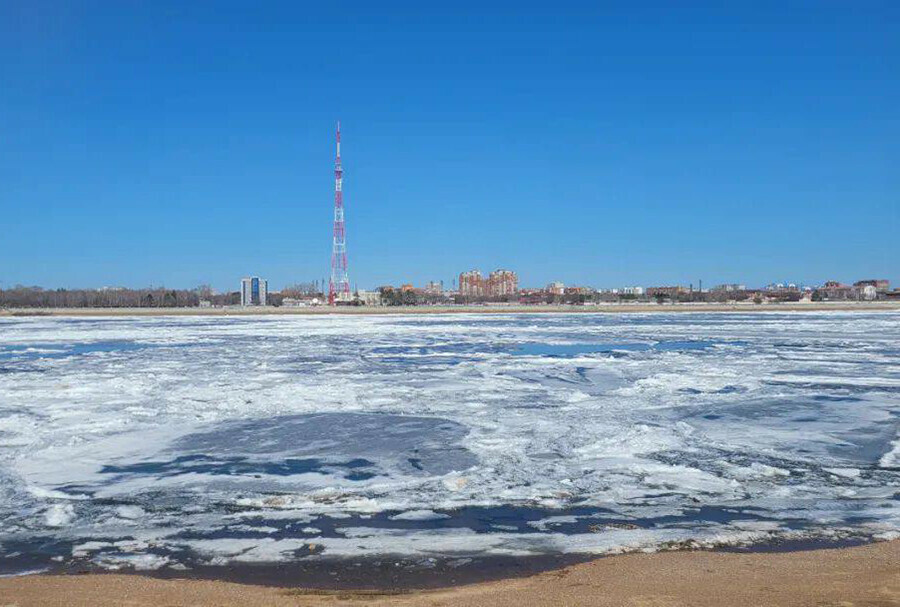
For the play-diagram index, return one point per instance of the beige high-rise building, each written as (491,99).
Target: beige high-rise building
(502,283)
(471,284)
(499,283)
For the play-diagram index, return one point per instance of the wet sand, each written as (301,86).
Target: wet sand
(867,306)
(860,576)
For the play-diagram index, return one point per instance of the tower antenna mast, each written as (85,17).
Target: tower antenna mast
(339,286)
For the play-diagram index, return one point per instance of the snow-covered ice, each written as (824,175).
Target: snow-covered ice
(165,442)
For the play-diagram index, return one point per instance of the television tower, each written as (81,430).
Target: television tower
(339,287)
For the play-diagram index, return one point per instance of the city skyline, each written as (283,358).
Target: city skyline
(594,146)
(474,283)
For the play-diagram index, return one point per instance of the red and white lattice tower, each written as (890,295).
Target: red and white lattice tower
(339,287)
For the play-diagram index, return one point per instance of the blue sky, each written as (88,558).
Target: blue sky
(173,143)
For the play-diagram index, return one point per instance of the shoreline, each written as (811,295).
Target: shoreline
(877,306)
(868,574)
(405,573)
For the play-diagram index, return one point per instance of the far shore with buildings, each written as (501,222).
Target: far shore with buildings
(499,289)
(470,290)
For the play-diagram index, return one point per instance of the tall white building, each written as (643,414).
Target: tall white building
(253,291)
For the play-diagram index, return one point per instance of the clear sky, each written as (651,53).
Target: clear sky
(180,143)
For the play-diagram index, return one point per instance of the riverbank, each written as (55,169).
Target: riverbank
(863,575)
(487,309)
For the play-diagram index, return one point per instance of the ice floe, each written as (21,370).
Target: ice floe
(164,442)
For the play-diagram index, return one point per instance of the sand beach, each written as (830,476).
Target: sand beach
(859,576)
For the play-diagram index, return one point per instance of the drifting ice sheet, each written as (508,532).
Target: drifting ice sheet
(171,441)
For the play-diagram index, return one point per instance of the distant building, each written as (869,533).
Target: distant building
(880,285)
(638,291)
(729,288)
(499,283)
(833,290)
(253,291)
(434,288)
(867,291)
(578,291)
(667,291)
(782,287)
(556,288)
(502,283)
(301,302)
(369,298)
(471,284)
(532,296)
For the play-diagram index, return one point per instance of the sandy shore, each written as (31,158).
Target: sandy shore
(318,310)
(861,576)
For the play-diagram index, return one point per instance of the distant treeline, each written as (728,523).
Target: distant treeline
(37,297)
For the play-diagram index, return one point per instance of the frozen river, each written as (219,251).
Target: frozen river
(183,442)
